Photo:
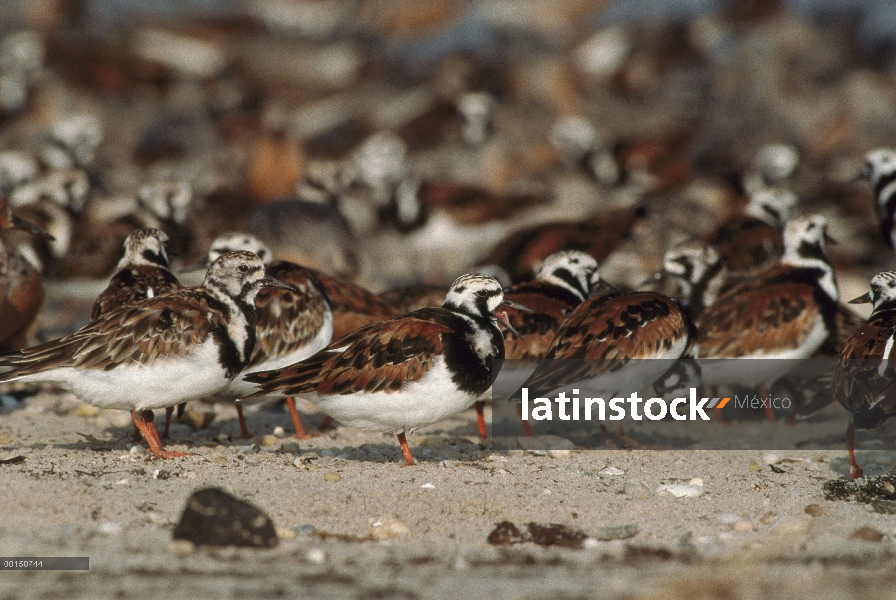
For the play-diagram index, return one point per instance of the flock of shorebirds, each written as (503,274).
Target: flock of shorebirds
(761,286)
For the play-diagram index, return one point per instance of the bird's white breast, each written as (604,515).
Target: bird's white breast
(430,399)
(166,382)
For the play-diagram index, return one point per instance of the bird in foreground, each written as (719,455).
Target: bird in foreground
(864,378)
(292,324)
(157,352)
(785,313)
(21,290)
(880,171)
(563,282)
(408,371)
(143,272)
(601,346)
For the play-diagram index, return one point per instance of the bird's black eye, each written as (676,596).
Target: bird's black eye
(243,268)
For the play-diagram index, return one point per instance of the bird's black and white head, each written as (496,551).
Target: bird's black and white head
(694,271)
(572,270)
(479,296)
(167,200)
(805,239)
(880,165)
(236,241)
(772,205)
(882,295)
(239,276)
(147,247)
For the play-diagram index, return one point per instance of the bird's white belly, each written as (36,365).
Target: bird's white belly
(164,383)
(432,398)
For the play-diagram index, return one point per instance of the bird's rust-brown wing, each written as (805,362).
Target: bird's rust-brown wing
(598,235)
(766,319)
(133,284)
(287,320)
(380,357)
(748,244)
(353,306)
(537,328)
(167,325)
(606,332)
(864,376)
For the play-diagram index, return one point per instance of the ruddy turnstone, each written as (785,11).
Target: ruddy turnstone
(880,170)
(693,273)
(291,326)
(787,312)
(353,306)
(21,289)
(143,272)
(563,282)
(157,352)
(752,241)
(864,379)
(408,371)
(602,345)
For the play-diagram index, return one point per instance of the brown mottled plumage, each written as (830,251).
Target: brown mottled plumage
(606,332)
(21,289)
(407,371)
(288,320)
(563,283)
(143,272)
(353,306)
(780,311)
(864,379)
(752,241)
(157,352)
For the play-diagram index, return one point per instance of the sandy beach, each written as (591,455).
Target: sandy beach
(352,523)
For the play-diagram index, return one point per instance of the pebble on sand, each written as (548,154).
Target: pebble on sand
(867,534)
(680,490)
(213,517)
(387,527)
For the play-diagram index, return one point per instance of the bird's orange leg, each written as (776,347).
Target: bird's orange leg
(526,428)
(408,459)
(296,421)
(480,419)
(143,421)
(764,393)
(245,434)
(855,471)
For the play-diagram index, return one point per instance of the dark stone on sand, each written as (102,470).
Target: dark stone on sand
(551,534)
(864,490)
(213,517)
